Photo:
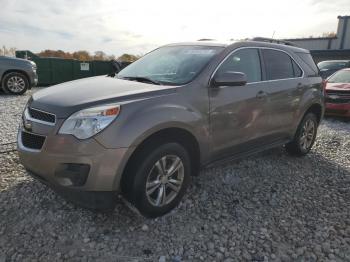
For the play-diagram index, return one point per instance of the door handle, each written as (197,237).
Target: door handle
(261,95)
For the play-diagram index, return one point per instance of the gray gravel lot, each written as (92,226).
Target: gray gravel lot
(268,207)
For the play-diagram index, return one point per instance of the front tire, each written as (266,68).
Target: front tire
(158,180)
(304,137)
(15,83)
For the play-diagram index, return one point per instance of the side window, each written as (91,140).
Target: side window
(246,61)
(312,69)
(297,70)
(278,65)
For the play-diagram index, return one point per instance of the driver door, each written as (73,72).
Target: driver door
(238,114)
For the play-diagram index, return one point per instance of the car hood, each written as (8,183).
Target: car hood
(10,58)
(15,60)
(67,98)
(338,86)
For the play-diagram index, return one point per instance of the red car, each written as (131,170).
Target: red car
(337,93)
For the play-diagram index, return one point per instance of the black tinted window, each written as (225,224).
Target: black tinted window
(278,65)
(246,61)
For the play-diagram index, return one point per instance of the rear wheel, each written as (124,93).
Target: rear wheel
(158,180)
(304,137)
(15,83)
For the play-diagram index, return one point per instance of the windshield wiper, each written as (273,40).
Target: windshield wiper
(141,79)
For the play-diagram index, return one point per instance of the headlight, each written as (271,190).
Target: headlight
(88,122)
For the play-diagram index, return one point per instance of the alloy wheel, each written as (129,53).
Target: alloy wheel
(307,134)
(16,84)
(165,180)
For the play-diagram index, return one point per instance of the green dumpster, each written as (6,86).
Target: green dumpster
(52,70)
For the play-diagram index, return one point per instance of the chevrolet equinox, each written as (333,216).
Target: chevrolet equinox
(144,132)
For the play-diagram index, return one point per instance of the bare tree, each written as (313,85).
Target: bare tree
(4,51)
(329,34)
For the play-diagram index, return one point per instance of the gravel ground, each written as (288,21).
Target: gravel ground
(269,207)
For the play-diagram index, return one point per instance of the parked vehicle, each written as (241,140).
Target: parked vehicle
(338,93)
(329,67)
(17,75)
(181,107)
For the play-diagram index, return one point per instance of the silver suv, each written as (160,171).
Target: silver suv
(181,107)
(17,75)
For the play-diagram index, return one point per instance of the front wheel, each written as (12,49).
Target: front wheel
(157,185)
(15,83)
(304,137)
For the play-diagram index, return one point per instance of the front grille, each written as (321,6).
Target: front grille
(337,100)
(32,141)
(42,116)
(338,96)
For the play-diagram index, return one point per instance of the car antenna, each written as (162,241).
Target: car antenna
(273,34)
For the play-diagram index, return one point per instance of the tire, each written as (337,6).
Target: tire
(304,137)
(15,83)
(147,170)
(2,89)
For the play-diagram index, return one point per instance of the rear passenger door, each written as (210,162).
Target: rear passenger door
(283,88)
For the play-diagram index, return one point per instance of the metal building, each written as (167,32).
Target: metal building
(329,48)
(339,42)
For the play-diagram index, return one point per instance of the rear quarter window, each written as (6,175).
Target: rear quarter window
(297,71)
(312,69)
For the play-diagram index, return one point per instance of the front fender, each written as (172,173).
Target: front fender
(141,119)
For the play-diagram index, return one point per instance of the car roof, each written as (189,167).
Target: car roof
(242,43)
(200,43)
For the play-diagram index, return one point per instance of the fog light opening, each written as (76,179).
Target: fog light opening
(71,174)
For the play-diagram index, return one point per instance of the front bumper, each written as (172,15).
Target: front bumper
(338,109)
(96,200)
(105,165)
(33,77)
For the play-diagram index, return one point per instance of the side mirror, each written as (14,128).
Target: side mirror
(229,78)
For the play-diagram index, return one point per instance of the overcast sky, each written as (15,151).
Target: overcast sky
(131,26)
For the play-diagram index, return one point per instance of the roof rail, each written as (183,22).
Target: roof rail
(206,39)
(271,40)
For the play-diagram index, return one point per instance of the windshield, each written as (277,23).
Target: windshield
(342,76)
(170,65)
(332,65)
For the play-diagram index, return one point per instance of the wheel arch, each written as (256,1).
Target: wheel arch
(171,134)
(315,108)
(15,71)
